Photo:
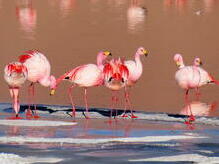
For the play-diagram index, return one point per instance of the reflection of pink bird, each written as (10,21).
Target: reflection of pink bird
(27,17)
(15,74)
(135,71)
(115,77)
(38,68)
(85,76)
(197,108)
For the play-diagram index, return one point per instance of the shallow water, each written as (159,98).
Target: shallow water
(71,32)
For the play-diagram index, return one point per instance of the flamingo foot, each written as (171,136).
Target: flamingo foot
(109,121)
(15,118)
(87,116)
(191,118)
(29,113)
(133,116)
(36,116)
(125,115)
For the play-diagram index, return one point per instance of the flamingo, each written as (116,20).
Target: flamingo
(115,77)
(38,68)
(191,77)
(85,76)
(15,74)
(135,71)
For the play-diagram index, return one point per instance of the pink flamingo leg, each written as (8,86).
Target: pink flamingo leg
(129,104)
(71,99)
(35,108)
(126,92)
(14,92)
(189,113)
(86,104)
(198,94)
(29,111)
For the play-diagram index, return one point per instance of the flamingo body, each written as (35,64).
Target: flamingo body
(86,76)
(135,66)
(38,68)
(189,77)
(115,74)
(15,74)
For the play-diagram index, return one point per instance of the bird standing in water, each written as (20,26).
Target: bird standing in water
(85,76)
(115,78)
(135,69)
(38,68)
(15,74)
(191,77)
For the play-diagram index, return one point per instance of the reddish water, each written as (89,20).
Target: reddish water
(71,32)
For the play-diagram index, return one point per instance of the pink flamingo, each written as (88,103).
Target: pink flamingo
(135,71)
(85,76)
(115,77)
(15,75)
(191,77)
(38,68)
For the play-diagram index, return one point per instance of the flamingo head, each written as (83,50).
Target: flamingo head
(197,62)
(179,60)
(142,51)
(101,57)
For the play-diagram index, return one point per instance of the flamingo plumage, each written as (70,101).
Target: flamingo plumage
(39,69)
(115,77)
(85,76)
(135,68)
(191,77)
(15,74)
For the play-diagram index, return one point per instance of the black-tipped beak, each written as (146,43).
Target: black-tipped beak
(110,54)
(200,63)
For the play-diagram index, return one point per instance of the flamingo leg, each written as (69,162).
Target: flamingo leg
(125,115)
(86,104)
(71,99)
(186,95)
(129,104)
(198,94)
(14,92)
(35,108)
(30,102)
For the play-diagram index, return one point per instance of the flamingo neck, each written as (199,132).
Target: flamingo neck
(48,81)
(100,60)
(139,66)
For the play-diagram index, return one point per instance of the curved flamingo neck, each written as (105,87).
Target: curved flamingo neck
(47,81)
(139,65)
(100,60)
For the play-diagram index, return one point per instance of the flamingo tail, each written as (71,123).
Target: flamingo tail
(213,80)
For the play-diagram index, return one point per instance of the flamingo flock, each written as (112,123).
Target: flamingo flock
(114,73)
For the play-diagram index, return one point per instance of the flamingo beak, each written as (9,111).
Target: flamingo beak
(178,64)
(52,92)
(200,63)
(107,53)
(145,53)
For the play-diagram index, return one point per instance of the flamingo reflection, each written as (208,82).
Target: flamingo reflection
(66,6)
(197,108)
(27,17)
(180,5)
(136,16)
